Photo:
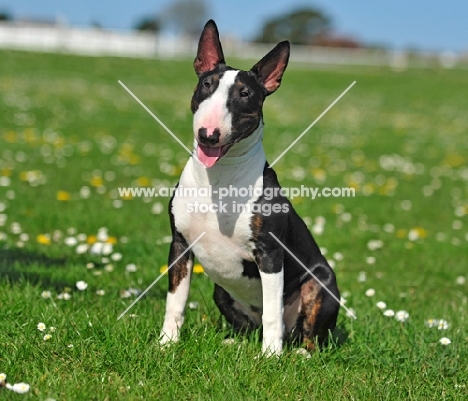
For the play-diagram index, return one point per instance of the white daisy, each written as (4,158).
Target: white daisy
(381,305)
(389,313)
(431,323)
(82,237)
(193,305)
(41,326)
(81,285)
(370,260)
(131,268)
(96,248)
(374,244)
(157,208)
(442,325)
(81,249)
(70,241)
(402,316)
(109,268)
(370,292)
(102,234)
(20,388)
(445,341)
(107,249)
(338,256)
(116,257)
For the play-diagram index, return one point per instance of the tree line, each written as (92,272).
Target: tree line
(303,26)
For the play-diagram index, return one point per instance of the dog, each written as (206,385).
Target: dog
(233,226)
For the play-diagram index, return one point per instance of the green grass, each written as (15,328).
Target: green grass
(396,137)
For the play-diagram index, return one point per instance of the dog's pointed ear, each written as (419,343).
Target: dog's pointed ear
(210,52)
(269,70)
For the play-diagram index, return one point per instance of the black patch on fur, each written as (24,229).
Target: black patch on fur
(250,269)
(245,102)
(238,320)
(207,85)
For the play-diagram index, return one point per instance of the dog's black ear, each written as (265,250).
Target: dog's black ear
(210,52)
(269,70)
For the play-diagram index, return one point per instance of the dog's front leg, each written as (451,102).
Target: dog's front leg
(272,276)
(179,286)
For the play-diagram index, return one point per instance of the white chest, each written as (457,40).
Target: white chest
(219,202)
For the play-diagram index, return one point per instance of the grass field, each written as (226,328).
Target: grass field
(70,136)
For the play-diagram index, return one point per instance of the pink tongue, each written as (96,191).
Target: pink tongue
(208,156)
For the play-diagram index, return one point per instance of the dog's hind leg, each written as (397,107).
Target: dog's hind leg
(241,319)
(319,309)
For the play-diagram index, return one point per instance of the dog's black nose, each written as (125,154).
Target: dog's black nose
(211,140)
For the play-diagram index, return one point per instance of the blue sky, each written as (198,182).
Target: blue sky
(429,25)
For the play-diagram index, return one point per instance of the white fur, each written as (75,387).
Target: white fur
(227,240)
(175,306)
(212,112)
(272,318)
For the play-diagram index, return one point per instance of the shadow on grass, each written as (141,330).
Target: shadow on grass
(336,339)
(17,266)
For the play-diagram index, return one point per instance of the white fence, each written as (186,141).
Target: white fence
(56,38)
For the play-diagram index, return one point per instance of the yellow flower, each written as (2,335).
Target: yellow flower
(401,233)
(96,181)
(91,239)
(143,181)
(5,172)
(454,160)
(319,174)
(10,136)
(63,196)
(198,269)
(111,240)
(43,239)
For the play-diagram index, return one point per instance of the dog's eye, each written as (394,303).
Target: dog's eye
(206,83)
(244,93)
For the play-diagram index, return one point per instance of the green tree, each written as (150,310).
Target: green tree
(186,16)
(300,27)
(149,24)
(4,16)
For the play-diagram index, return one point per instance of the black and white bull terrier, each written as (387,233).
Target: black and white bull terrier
(257,283)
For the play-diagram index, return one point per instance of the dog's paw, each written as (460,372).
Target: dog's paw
(168,337)
(272,350)
(272,345)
